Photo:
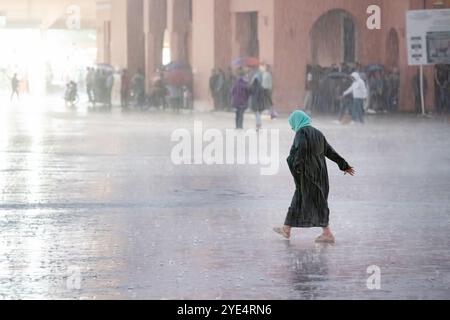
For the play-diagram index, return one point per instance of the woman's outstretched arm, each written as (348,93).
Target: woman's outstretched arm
(331,154)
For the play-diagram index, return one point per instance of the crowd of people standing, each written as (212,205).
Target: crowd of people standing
(351,90)
(348,90)
(99,85)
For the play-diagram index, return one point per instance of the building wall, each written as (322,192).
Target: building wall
(285,32)
(203,42)
(294,21)
(266,27)
(135,36)
(127,34)
(119,34)
(326,36)
(222,34)
(215,37)
(103,34)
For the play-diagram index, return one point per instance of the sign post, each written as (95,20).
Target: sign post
(422,94)
(428,38)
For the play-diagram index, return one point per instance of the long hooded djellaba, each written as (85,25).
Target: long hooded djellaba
(307,163)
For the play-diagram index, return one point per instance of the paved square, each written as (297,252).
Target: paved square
(92,207)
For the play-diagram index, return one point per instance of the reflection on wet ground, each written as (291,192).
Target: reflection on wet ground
(92,208)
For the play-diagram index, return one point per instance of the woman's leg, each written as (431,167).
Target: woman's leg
(238,118)
(241,117)
(354,110)
(361,110)
(258,120)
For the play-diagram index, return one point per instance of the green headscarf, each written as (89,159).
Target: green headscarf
(299,120)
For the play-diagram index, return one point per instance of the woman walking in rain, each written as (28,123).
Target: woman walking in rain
(307,163)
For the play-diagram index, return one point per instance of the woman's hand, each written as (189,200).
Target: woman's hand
(351,171)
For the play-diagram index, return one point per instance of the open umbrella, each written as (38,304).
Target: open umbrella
(179,78)
(176,65)
(251,62)
(105,66)
(337,75)
(178,74)
(374,68)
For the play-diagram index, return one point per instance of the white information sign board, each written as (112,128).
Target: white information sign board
(428,37)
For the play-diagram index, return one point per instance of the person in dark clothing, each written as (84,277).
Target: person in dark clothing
(97,86)
(109,85)
(346,103)
(90,84)
(376,83)
(222,90)
(159,93)
(175,97)
(216,87)
(138,87)
(440,86)
(258,101)
(239,100)
(416,90)
(124,89)
(212,88)
(394,83)
(307,163)
(15,87)
(228,85)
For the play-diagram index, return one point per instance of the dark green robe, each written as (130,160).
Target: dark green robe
(308,166)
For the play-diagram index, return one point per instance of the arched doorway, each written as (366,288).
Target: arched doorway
(333,39)
(392,49)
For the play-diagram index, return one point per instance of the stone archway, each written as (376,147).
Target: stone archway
(392,49)
(333,38)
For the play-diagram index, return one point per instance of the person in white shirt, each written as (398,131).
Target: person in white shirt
(359,91)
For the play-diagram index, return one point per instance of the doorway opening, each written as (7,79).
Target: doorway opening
(247,34)
(333,39)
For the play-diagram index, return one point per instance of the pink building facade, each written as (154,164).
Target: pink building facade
(287,34)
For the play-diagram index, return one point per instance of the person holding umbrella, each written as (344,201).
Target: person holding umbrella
(307,163)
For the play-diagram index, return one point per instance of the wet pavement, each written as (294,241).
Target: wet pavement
(92,207)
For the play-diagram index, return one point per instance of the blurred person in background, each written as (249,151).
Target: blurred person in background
(216,84)
(90,84)
(441,79)
(358,90)
(15,87)
(175,97)
(138,88)
(124,88)
(308,101)
(109,85)
(229,80)
(239,99)
(258,101)
(267,84)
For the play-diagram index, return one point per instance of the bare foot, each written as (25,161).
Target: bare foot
(284,231)
(326,238)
